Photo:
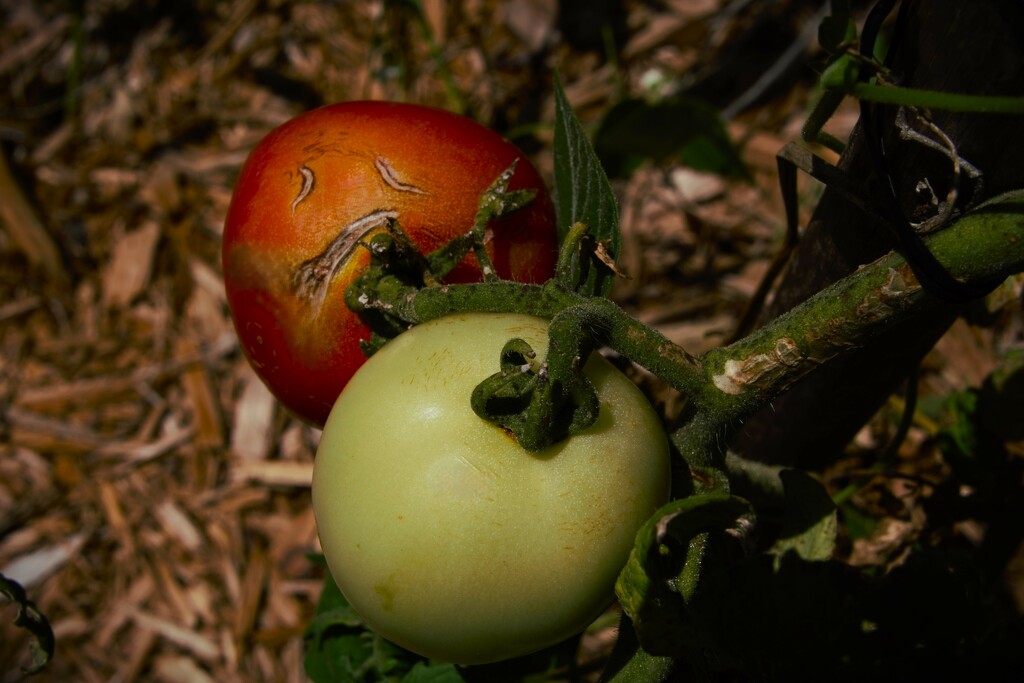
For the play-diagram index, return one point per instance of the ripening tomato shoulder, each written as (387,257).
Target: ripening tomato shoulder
(322,181)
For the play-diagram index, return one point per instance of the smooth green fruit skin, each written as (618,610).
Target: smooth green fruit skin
(446,536)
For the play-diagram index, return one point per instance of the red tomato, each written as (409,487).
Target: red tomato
(323,180)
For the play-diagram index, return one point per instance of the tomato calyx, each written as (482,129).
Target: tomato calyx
(523,399)
(540,404)
(495,202)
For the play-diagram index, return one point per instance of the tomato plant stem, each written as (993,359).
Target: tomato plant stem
(984,247)
(725,385)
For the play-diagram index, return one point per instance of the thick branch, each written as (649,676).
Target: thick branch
(985,246)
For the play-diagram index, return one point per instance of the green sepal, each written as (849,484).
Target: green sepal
(496,202)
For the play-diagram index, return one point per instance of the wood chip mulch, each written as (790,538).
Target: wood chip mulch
(154,498)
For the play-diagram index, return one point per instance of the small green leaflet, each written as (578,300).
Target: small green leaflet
(582,191)
(340,649)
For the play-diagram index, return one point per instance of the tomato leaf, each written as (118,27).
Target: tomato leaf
(809,524)
(582,192)
(837,27)
(335,645)
(339,649)
(684,129)
(433,673)
(32,620)
(978,422)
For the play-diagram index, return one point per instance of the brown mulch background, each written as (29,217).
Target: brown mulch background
(154,499)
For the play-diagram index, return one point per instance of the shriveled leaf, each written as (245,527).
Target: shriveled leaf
(28,617)
(664,566)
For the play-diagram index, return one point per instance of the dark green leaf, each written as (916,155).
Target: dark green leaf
(978,422)
(336,645)
(582,192)
(340,649)
(433,673)
(837,27)
(635,131)
(809,523)
(964,443)
(963,406)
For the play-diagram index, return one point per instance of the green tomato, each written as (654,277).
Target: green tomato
(449,538)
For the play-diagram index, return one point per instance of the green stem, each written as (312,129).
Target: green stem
(565,272)
(700,442)
(614,327)
(421,305)
(629,663)
(935,99)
